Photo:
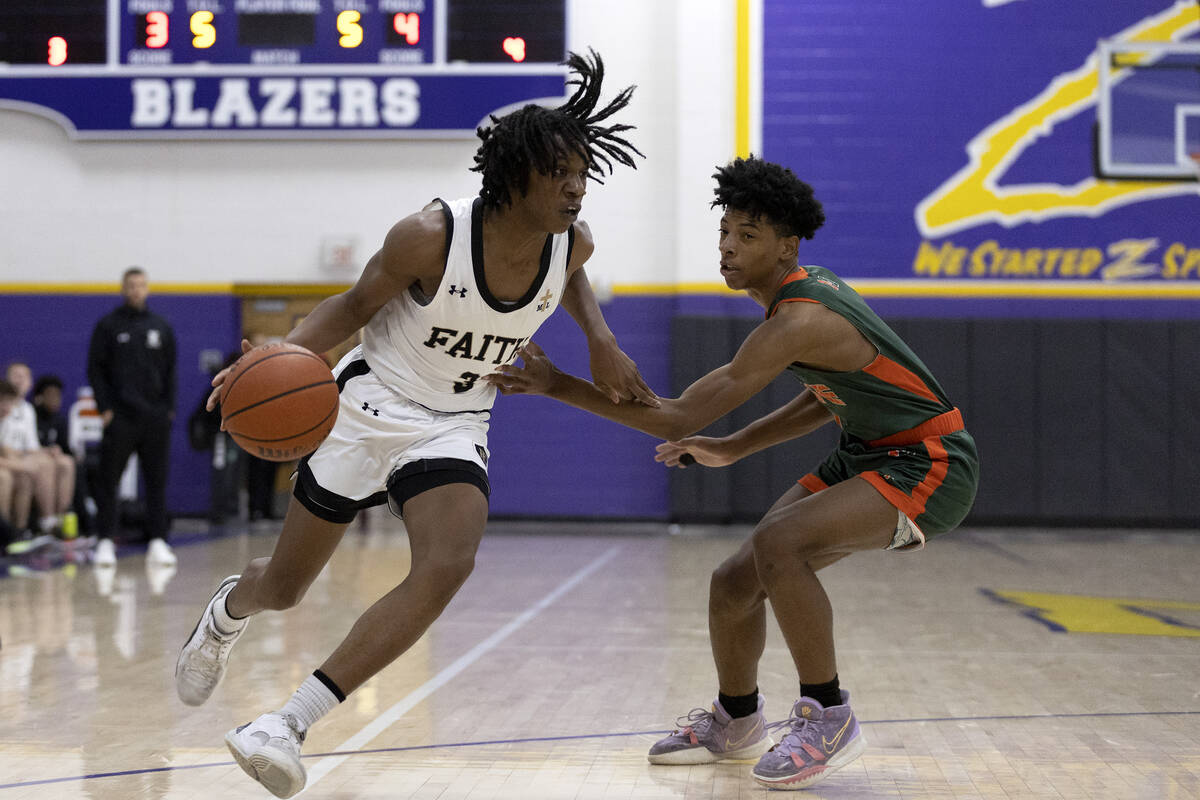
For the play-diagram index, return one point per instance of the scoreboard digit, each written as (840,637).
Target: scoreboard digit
(53,32)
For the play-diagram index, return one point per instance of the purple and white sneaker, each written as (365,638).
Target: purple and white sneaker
(704,737)
(818,741)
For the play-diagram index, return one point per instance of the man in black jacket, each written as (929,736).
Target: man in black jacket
(131,366)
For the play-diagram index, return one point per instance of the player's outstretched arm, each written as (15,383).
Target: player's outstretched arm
(800,416)
(613,372)
(710,451)
(762,356)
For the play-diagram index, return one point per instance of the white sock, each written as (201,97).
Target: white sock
(226,622)
(311,701)
(48,524)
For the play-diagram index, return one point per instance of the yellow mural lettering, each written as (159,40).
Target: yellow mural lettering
(946,260)
(1127,259)
(1120,260)
(1068,264)
(981,256)
(1116,615)
(973,196)
(1051,262)
(1181,262)
(1011,263)
(1033,262)
(1089,260)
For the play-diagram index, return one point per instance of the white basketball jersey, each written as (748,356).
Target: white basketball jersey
(436,350)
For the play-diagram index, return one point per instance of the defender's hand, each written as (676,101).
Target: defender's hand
(694,450)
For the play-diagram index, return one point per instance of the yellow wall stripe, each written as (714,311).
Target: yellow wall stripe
(741,80)
(1081,290)
(163,287)
(1146,290)
(113,288)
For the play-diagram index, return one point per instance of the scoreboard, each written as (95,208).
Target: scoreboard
(278,68)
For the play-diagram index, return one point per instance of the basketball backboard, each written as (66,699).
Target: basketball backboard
(1148,110)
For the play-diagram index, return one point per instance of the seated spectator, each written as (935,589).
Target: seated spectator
(8,533)
(16,472)
(54,481)
(47,404)
(54,436)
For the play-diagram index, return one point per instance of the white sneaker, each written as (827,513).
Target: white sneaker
(201,663)
(268,749)
(159,552)
(106,554)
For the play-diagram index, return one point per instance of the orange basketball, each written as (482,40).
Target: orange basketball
(279,401)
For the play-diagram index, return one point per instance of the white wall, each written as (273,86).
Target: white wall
(256,212)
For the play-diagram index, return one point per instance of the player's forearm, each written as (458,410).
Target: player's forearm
(665,422)
(580,302)
(801,416)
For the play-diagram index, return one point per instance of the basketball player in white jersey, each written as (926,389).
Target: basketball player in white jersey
(453,293)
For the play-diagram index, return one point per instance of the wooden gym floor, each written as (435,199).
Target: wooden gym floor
(995,664)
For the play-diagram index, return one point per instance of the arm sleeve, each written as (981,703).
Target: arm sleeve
(98,367)
(171,377)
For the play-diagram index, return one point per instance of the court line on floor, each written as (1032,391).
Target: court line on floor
(982,540)
(583,736)
(393,714)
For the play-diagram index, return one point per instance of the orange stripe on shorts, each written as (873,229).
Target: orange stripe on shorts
(913,506)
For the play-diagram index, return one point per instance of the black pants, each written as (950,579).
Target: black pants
(260,486)
(150,438)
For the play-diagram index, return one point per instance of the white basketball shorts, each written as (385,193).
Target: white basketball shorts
(384,444)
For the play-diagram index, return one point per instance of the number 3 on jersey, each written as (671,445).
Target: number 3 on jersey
(467,381)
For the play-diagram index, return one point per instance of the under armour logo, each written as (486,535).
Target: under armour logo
(460,292)
(374,411)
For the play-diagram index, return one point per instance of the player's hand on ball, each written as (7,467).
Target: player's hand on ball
(703,450)
(219,379)
(535,375)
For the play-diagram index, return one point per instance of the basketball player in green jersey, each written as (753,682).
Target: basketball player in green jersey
(905,470)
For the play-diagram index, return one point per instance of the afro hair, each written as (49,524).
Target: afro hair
(769,191)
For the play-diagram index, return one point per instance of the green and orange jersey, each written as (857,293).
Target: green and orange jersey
(892,395)
(900,432)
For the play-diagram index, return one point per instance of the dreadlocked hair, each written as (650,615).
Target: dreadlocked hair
(536,138)
(770,191)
